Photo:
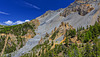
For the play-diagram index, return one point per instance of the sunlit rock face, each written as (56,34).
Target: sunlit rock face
(79,13)
(83,7)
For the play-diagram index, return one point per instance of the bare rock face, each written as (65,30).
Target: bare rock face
(83,7)
(46,13)
(65,13)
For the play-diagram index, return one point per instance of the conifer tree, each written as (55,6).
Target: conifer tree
(87,50)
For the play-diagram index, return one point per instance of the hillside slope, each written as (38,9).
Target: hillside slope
(80,13)
(65,41)
(14,37)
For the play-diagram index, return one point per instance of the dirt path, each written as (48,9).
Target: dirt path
(4,46)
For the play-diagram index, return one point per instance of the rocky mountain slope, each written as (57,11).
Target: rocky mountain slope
(65,41)
(79,13)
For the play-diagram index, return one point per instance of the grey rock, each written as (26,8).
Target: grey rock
(53,19)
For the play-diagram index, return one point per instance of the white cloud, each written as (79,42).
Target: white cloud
(34,6)
(8,22)
(18,22)
(15,23)
(4,13)
(27,20)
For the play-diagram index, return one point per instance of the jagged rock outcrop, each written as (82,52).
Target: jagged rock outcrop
(46,13)
(83,7)
(59,34)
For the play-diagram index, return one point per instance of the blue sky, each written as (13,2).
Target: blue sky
(19,11)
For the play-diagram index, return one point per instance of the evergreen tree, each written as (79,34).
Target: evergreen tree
(96,49)
(95,29)
(76,52)
(87,26)
(67,41)
(72,33)
(83,28)
(90,35)
(87,50)
(69,53)
(86,38)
